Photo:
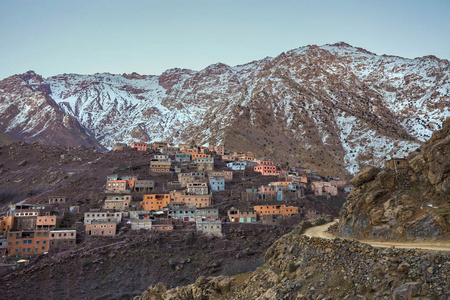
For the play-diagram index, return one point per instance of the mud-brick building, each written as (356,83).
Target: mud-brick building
(213,227)
(63,238)
(57,199)
(396,163)
(101,228)
(197,187)
(227,175)
(190,200)
(160,167)
(144,185)
(120,202)
(102,216)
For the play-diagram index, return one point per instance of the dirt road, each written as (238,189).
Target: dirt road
(321,232)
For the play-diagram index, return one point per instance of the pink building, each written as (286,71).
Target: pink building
(139,146)
(266,167)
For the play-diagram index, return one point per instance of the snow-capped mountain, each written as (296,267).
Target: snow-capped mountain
(330,107)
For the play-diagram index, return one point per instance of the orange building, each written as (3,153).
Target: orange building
(199,155)
(46,222)
(99,228)
(6,223)
(283,210)
(284,184)
(139,146)
(155,201)
(191,200)
(23,243)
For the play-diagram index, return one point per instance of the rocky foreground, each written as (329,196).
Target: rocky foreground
(298,267)
(408,202)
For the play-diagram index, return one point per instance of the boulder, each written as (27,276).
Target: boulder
(366,175)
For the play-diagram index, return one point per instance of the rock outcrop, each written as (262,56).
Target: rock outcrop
(298,267)
(407,200)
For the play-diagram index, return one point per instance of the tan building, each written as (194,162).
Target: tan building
(100,228)
(190,200)
(63,238)
(160,167)
(324,188)
(121,203)
(213,227)
(227,175)
(396,163)
(144,185)
(205,164)
(185,178)
(25,219)
(102,216)
(162,225)
(197,187)
(57,199)
(141,224)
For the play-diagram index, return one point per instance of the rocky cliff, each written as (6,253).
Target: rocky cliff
(333,108)
(407,200)
(298,267)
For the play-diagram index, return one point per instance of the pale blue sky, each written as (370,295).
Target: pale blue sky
(148,37)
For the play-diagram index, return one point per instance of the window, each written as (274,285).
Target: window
(38,234)
(37,242)
(45,233)
(44,242)
(36,250)
(24,241)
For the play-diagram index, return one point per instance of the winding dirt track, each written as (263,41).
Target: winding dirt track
(321,232)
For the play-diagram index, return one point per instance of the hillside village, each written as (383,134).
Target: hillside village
(184,190)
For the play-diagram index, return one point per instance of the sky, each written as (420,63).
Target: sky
(149,37)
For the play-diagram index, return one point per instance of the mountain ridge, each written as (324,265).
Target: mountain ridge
(323,104)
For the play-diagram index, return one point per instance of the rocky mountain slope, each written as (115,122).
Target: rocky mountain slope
(28,113)
(334,108)
(411,202)
(298,267)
